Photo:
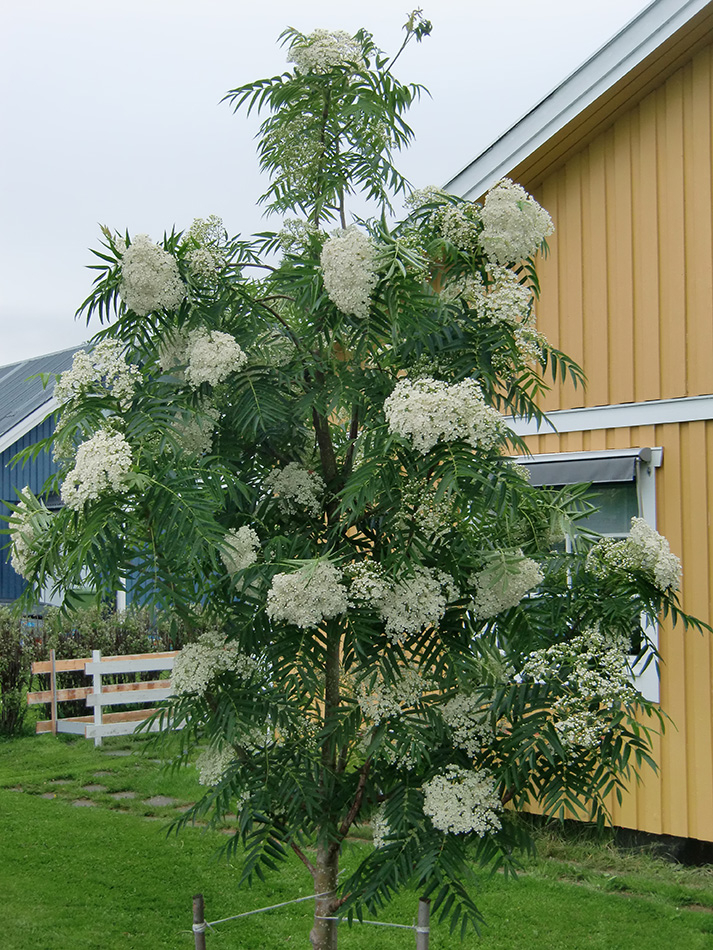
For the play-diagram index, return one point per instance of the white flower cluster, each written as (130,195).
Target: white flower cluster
(368,584)
(240,549)
(467,720)
(195,431)
(104,367)
(429,410)
(415,601)
(503,583)
(322,50)
(24,525)
(172,352)
(461,801)
(349,270)
(380,829)
(505,300)
(213,763)
(580,729)
(308,596)
(433,515)
(593,667)
(644,550)
(514,225)
(298,151)
(102,464)
(206,237)
(149,278)
(212,356)
(295,235)
(530,343)
(459,224)
(297,489)
(381,700)
(430,194)
(199,663)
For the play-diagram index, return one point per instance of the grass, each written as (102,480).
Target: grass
(107,877)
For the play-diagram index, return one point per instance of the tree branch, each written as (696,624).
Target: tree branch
(292,335)
(353,433)
(304,859)
(355,808)
(326,448)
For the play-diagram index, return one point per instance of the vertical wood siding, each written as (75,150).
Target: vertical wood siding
(629,283)
(679,801)
(628,292)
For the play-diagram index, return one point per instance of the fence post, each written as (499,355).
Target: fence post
(423,928)
(96,690)
(199,922)
(53,687)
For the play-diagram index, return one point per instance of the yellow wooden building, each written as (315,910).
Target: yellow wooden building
(621,155)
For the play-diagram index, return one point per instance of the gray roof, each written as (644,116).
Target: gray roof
(21,396)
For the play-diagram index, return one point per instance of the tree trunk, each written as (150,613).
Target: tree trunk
(324,932)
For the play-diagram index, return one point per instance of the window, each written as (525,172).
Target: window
(624,485)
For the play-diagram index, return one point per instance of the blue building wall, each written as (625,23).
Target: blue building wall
(13,478)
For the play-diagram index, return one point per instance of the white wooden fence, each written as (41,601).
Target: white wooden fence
(100,694)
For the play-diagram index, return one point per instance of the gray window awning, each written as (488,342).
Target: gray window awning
(597,467)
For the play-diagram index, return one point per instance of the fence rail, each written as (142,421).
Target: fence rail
(422,929)
(100,694)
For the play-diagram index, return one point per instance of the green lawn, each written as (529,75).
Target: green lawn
(107,876)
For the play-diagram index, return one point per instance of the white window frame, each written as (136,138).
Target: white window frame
(645,461)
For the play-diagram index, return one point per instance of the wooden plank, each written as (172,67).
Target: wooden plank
(78,663)
(117,729)
(73,728)
(64,725)
(143,664)
(45,696)
(132,715)
(61,666)
(81,692)
(170,654)
(122,699)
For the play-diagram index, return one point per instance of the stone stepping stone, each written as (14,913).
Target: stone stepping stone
(119,795)
(48,795)
(61,781)
(160,801)
(184,808)
(15,788)
(119,752)
(101,773)
(93,788)
(83,803)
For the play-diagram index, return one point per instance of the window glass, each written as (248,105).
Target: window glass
(617,504)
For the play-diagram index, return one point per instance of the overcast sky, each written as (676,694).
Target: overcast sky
(111,115)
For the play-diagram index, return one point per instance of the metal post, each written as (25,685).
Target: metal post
(199,922)
(423,927)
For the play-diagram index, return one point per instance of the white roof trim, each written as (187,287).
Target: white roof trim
(27,424)
(652,413)
(652,27)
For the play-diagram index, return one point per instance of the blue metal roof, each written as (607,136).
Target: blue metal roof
(19,395)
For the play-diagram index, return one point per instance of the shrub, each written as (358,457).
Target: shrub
(19,646)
